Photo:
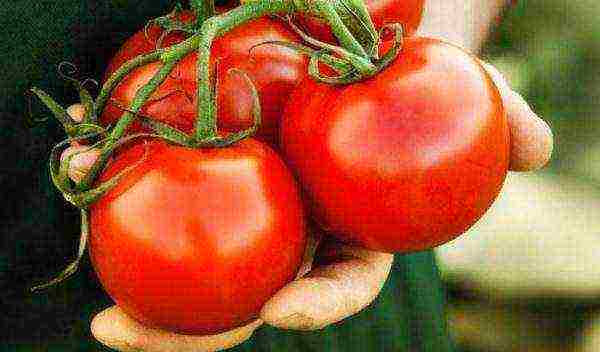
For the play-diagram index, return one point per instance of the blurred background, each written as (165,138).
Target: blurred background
(525,278)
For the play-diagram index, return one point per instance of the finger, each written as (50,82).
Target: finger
(531,137)
(330,292)
(82,161)
(116,330)
(76,111)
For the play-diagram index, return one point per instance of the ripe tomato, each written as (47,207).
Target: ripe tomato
(274,70)
(197,240)
(406,160)
(382,12)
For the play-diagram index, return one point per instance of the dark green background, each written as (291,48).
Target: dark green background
(40,230)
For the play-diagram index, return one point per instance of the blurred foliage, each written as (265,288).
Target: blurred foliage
(550,52)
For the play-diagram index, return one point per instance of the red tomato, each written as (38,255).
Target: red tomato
(197,240)
(273,69)
(406,160)
(406,12)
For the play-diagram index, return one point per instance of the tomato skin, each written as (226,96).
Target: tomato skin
(197,240)
(406,160)
(274,70)
(408,13)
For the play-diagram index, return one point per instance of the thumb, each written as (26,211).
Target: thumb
(330,292)
(531,137)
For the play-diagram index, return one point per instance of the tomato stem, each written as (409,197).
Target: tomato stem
(206,122)
(356,18)
(327,10)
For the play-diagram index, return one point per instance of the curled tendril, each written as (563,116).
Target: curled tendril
(91,81)
(161,38)
(295,46)
(146,29)
(314,71)
(391,54)
(169,23)
(68,70)
(347,73)
(157,21)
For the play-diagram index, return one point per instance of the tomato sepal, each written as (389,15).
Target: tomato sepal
(72,267)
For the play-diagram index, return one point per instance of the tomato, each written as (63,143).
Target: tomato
(408,13)
(273,69)
(403,161)
(197,240)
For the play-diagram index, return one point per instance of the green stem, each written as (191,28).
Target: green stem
(425,296)
(203,9)
(326,9)
(206,123)
(356,17)
(170,56)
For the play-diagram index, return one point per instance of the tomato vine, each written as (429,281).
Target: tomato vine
(355,59)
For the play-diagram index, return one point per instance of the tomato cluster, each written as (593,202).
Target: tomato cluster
(196,240)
